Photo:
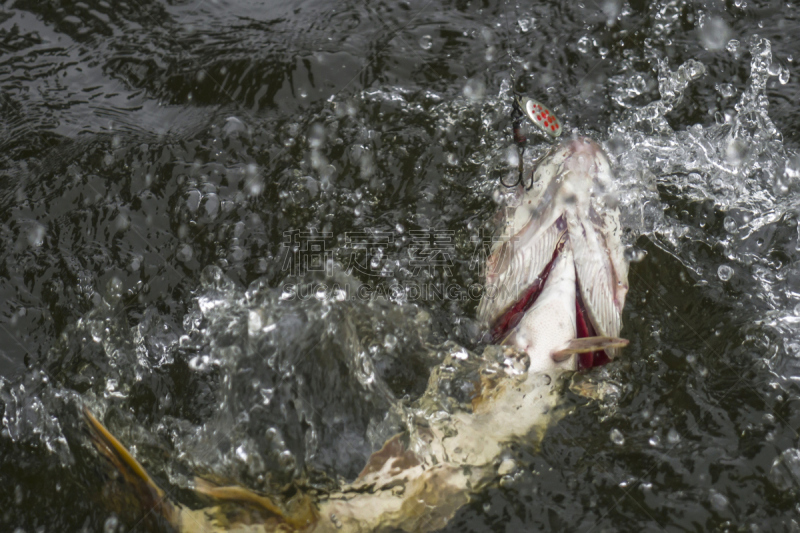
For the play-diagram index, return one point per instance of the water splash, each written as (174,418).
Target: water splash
(30,411)
(737,171)
(737,164)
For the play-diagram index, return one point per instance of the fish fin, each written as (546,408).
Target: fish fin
(595,234)
(517,264)
(148,494)
(299,511)
(588,344)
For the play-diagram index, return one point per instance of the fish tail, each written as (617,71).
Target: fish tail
(152,499)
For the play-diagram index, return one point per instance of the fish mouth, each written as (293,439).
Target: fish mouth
(568,215)
(509,320)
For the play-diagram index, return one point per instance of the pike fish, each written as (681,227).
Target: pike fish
(556,281)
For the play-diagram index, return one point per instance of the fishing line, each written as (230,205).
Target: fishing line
(522,106)
(516,112)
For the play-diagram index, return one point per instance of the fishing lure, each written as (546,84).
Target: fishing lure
(545,121)
(541,117)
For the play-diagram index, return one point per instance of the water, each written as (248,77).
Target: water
(166,166)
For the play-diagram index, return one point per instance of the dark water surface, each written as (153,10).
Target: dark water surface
(160,160)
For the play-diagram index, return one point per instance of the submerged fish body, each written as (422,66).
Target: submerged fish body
(555,288)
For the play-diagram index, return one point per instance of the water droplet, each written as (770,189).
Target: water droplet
(241,453)
(584,45)
(611,9)
(762,48)
(321,293)
(426,42)
(36,235)
(184,253)
(114,289)
(783,75)
(122,222)
(726,89)
(797,310)
(461,354)
(694,69)
(288,293)
(725,272)
(110,525)
(452,159)
(316,137)
(730,225)
(254,322)
(193,198)
(785,471)
(718,501)
(733,46)
(714,34)
(792,169)
(617,437)
(233,126)
(635,255)
(266,396)
(475,90)
(506,467)
(286,460)
(390,342)
(254,183)
(524,25)
(673,437)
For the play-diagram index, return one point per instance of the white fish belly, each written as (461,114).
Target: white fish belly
(550,322)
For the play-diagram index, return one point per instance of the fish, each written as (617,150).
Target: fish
(554,293)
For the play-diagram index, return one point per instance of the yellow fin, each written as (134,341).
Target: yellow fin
(300,513)
(588,344)
(148,494)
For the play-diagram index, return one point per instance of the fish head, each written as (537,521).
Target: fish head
(557,271)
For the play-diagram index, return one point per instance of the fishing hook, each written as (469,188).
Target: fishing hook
(519,139)
(541,117)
